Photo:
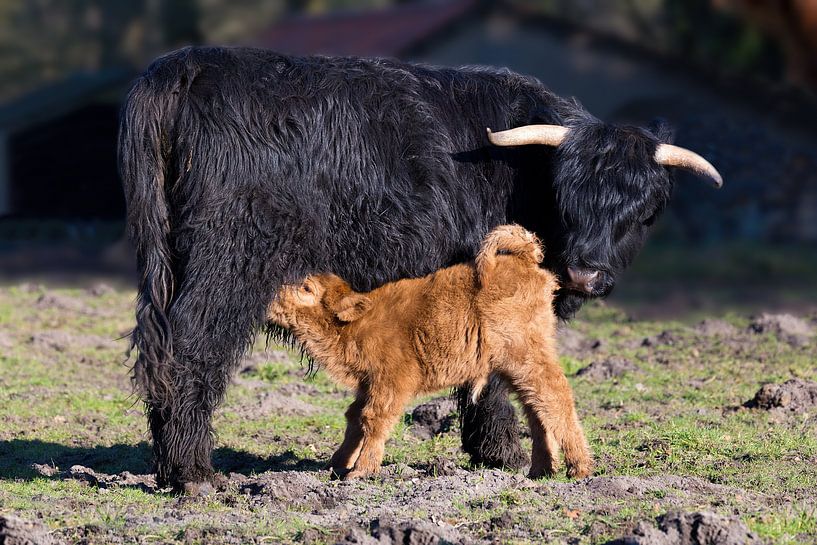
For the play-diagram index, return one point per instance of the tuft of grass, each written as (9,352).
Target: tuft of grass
(786,528)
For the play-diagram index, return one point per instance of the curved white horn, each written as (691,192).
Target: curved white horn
(547,135)
(675,156)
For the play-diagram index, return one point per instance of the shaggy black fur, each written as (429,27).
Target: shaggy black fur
(244,169)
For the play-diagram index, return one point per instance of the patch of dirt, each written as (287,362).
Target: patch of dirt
(433,417)
(795,395)
(293,490)
(575,344)
(439,467)
(675,490)
(17,531)
(405,533)
(29,287)
(252,361)
(366,511)
(6,340)
(788,328)
(667,337)
(100,289)
(51,301)
(299,388)
(697,528)
(356,505)
(716,328)
(46,470)
(61,341)
(277,402)
(88,476)
(607,369)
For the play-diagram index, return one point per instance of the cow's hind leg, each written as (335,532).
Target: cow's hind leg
(211,329)
(227,278)
(490,431)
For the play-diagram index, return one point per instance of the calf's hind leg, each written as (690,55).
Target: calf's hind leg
(548,399)
(544,460)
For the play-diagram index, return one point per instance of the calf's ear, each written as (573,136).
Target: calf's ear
(352,307)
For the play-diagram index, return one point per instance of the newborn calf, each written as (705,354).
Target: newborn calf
(456,326)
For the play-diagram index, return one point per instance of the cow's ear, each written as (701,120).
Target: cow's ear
(352,307)
(662,130)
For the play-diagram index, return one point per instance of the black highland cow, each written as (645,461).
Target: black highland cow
(244,169)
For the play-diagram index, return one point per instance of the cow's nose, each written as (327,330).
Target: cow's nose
(583,280)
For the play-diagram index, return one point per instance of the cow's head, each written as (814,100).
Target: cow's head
(610,183)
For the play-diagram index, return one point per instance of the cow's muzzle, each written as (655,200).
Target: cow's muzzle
(591,282)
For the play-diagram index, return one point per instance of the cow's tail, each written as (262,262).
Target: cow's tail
(507,239)
(145,129)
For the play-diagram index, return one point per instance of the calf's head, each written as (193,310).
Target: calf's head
(321,301)
(610,184)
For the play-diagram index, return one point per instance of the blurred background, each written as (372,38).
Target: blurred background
(736,78)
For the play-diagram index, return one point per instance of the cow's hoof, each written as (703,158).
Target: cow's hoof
(201,488)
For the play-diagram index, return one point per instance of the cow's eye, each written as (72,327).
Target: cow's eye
(649,220)
(307,288)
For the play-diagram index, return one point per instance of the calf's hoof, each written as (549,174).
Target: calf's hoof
(358,474)
(337,473)
(540,473)
(580,470)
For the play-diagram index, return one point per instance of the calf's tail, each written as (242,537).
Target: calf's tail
(508,239)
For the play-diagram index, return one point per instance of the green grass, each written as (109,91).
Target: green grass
(679,414)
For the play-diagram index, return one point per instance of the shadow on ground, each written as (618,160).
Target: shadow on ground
(17,457)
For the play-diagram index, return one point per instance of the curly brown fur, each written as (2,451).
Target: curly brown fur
(459,325)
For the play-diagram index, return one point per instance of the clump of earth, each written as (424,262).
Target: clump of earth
(405,533)
(795,395)
(17,531)
(697,528)
(575,344)
(713,327)
(791,329)
(433,417)
(607,368)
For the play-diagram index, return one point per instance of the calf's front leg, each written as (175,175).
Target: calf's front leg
(344,458)
(384,406)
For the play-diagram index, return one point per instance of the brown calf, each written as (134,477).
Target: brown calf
(453,327)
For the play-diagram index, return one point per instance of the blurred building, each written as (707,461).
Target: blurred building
(58,149)
(57,146)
